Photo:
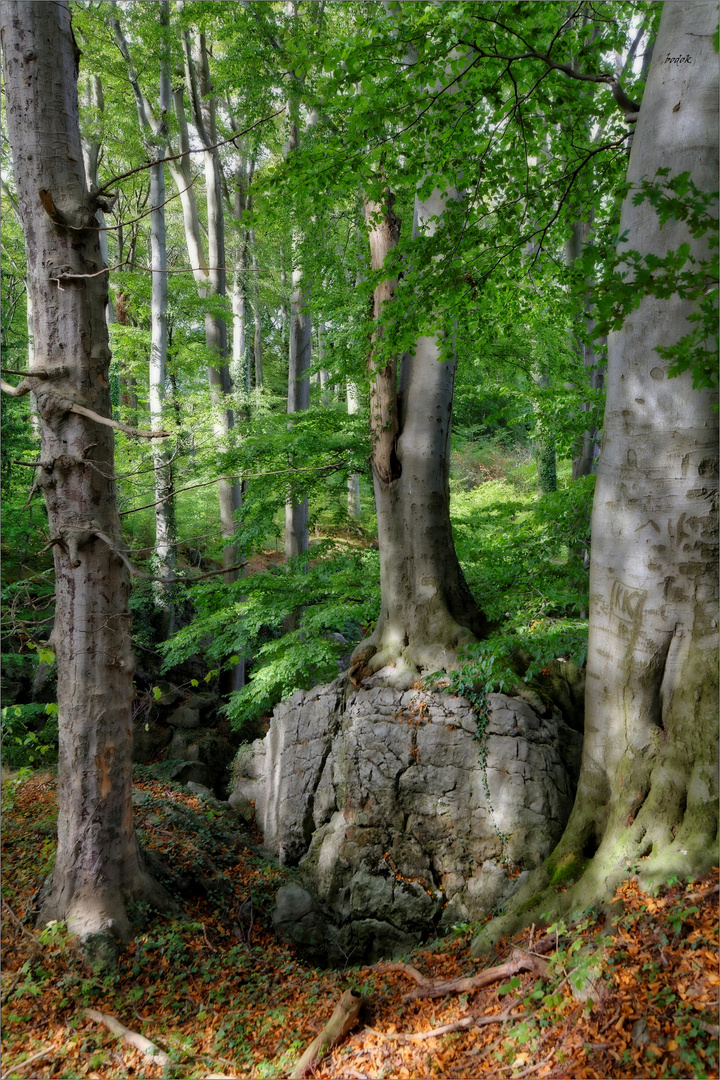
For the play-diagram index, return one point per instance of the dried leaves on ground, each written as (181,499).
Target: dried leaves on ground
(215,993)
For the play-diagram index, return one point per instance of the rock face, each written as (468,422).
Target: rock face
(403,817)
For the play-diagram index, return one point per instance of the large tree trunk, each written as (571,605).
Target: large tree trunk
(98,867)
(648,793)
(427,612)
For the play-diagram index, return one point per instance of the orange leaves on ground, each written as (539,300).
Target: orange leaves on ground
(221,994)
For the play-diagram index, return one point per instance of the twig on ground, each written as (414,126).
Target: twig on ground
(530,1069)
(132,1037)
(33,1057)
(9,992)
(20,926)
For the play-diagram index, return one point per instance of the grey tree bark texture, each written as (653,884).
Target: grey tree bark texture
(164,486)
(427,611)
(98,868)
(647,799)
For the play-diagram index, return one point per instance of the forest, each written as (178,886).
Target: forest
(359,600)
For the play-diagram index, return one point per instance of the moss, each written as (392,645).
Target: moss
(530,904)
(569,868)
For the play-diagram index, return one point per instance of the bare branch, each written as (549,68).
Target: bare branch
(80,410)
(184,153)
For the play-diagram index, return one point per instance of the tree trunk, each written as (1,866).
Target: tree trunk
(648,795)
(98,867)
(164,487)
(296,510)
(586,459)
(239,344)
(353,483)
(427,610)
(257,322)
(203,106)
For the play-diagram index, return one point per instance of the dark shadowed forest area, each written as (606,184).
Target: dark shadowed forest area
(359,539)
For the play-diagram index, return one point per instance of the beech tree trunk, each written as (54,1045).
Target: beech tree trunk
(164,484)
(647,799)
(427,612)
(98,867)
(585,462)
(353,482)
(296,510)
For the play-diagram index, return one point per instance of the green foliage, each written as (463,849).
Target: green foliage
(29,734)
(333,593)
(624,276)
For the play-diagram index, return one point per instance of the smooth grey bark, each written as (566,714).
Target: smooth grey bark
(257,353)
(585,461)
(300,355)
(648,791)
(154,132)
(165,539)
(427,612)
(353,483)
(297,538)
(202,99)
(209,275)
(98,867)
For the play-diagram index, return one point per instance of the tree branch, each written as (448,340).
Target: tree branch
(184,153)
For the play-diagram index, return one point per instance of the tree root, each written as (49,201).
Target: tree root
(520,960)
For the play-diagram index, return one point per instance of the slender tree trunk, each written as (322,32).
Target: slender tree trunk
(239,344)
(353,484)
(427,612)
(296,510)
(257,321)
(98,867)
(204,108)
(647,798)
(165,540)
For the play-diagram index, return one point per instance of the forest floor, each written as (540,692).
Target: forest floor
(631,995)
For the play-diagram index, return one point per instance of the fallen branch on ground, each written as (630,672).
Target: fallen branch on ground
(406,969)
(33,1057)
(446,1029)
(342,1019)
(134,1038)
(693,896)
(518,962)
(23,929)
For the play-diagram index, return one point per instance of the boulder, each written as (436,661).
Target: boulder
(404,813)
(192,771)
(242,806)
(184,717)
(296,919)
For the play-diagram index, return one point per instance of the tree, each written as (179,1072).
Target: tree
(99,868)
(427,610)
(647,795)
